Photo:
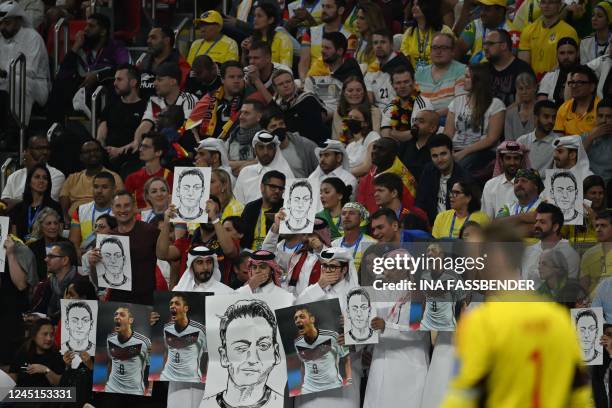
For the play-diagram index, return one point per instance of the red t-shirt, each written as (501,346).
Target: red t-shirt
(134,183)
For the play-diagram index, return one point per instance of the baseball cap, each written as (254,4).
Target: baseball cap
(210,17)
(502,3)
(169,69)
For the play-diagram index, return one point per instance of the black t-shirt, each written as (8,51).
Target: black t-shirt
(199,89)
(122,119)
(503,82)
(414,158)
(51,359)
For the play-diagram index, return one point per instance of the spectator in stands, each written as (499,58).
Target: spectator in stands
(84,216)
(333,162)
(327,74)
(303,15)
(378,75)
(121,117)
(553,271)
(265,20)
(547,228)
(36,197)
(160,43)
(77,189)
(203,78)
(510,157)
(443,80)
(304,112)
(34,10)
(257,217)
(596,264)
(385,160)
(158,197)
(598,142)
(388,193)
(91,62)
(269,157)
(167,93)
(333,194)
(45,232)
(596,44)
(438,177)
(415,152)
(465,206)
(603,299)
(332,12)
(240,139)
(354,96)
(152,148)
(36,153)
(359,135)
(503,65)
(169,122)
(520,118)
(261,69)
(385,226)
(353,239)
(18,36)
(540,141)
(216,45)
(553,86)
(577,115)
(212,153)
(475,120)
(221,187)
(400,113)
(369,19)
(520,212)
(297,150)
(594,190)
(569,154)
(143,239)
(539,39)
(417,39)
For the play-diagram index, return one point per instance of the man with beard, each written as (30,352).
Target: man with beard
(553,84)
(239,149)
(499,190)
(121,117)
(203,78)
(202,273)
(353,238)
(521,210)
(333,162)
(261,69)
(569,154)
(414,153)
(91,61)
(160,43)
(264,275)
(548,224)
(540,141)
(185,341)
(129,354)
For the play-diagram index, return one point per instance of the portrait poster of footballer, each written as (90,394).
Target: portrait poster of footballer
(315,359)
(78,333)
(115,269)
(246,359)
(178,337)
(589,327)
(359,313)
(4,232)
(190,191)
(123,349)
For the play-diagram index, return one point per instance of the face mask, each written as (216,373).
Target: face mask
(354,126)
(281,133)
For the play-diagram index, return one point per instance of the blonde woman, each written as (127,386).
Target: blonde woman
(158,197)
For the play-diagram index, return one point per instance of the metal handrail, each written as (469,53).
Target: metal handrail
(100,90)
(92,5)
(3,169)
(18,108)
(153,10)
(179,28)
(62,22)
(193,26)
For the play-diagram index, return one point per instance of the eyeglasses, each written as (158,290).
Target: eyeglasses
(441,47)
(55,256)
(578,83)
(455,193)
(275,187)
(331,267)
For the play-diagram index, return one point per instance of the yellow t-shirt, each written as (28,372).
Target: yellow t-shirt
(444,223)
(260,230)
(233,208)
(282,49)
(570,123)
(518,354)
(416,45)
(541,42)
(225,49)
(594,266)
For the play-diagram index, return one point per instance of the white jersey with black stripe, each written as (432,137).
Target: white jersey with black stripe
(185,349)
(129,361)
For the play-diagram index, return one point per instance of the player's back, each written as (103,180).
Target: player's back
(517,355)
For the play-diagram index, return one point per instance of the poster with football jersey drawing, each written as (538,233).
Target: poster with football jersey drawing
(246,359)
(190,191)
(4,231)
(358,316)
(589,327)
(178,337)
(316,361)
(123,349)
(78,328)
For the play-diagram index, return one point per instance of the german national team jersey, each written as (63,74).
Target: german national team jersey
(518,354)
(320,360)
(185,350)
(129,361)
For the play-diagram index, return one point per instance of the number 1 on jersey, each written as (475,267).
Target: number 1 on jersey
(536,358)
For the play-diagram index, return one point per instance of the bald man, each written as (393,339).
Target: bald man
(204,77)
(414,153)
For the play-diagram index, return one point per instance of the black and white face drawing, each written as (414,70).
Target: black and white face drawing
(300,205)
(4,230)
(589,327)
(115,269)
(565,191)
(78,327)
(358,315)
(190,192)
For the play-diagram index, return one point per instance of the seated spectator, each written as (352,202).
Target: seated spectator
(333,162)
(569,154)
(475,121)
(266,19)
(443,80)
(161,50)
(400,113)
(471,231)
(45,232)
(78,188)
(388,193)
(203,78)
(378,75)
(520,212)
(520,118)
(596,263)
(152,148)
(36,197)
(598,142)
(36,153)
(240,270)
(104,224)
(297,150)
(221,187)
(354,96)
(596,44)
(577,115)
(303,15)
(415,152)
(465,206)
(269,158)
(218,46)
(353,239)
(553,272)
(369,18)
(212,153)
(158,197)
(304,111)
(182,143)
(239,149)
(334,194)
(359,136)
(260,69)
(553,83)
(540,141)
(92,59)
(385,226)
